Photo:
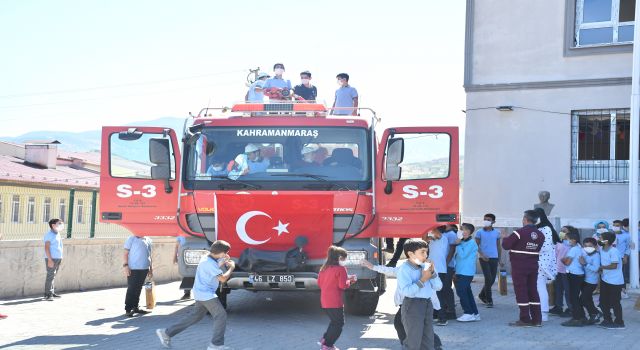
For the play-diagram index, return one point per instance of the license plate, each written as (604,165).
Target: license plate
(274,278)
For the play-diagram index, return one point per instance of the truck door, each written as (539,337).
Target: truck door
(417,180)
(139,175)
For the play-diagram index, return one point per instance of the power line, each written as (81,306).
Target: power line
(55,92)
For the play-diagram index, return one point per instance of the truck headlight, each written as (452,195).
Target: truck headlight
(193,257)
(355,257)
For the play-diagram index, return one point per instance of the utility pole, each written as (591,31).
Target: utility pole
(634,152)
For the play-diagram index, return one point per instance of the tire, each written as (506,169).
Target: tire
(361,303)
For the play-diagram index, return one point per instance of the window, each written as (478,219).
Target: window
(426,156)
(80,211)
(31,210)
(46,210)
(15,209)
(89,209)
(600,146)
(63,209)
(604,22)
(131,158)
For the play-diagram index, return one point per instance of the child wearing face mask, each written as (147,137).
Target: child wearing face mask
(305,90)
(590,260)
(466,253)
(53,256)
(488,240)
(623,244)
(333,281)
(561,283)
(611,283)
(600,228)
(576,277)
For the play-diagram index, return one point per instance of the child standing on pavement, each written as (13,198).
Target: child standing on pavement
(561,284)
(209,275)
(591,262)
(612,282)
(417,309)
(466,253)
(488,240)
(333,281)
(576,278)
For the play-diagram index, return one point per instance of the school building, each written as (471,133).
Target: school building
(548,89)
(38,182)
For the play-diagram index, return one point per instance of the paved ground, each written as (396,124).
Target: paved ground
(278,320)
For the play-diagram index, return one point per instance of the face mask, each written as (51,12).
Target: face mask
(305,81)
(460,235)
(342,262)
(59,228)
(217,168)
(416,261)
(279,71)
(601,243)
(487,223)
(562,234)
(589,250)
(601,230)
(616,228)
(566,242)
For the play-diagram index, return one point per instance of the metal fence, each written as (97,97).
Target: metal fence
(25,212)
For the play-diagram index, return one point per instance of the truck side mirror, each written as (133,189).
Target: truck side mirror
(159,154)
(395,155)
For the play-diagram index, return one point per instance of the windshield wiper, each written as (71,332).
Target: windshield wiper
(329,184)
(246,184)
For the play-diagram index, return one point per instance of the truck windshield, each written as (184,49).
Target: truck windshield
(278,158)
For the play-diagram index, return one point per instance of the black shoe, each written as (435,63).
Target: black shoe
(392,263)
(556,311)
(566,313)
(605,324)
(48,297)
(617,326)
(442,322)
(593,319)
(519,323)
(573,323)
(483,299)
(141,312)
(186,296)
(130,313)
(56,295)
(489,305)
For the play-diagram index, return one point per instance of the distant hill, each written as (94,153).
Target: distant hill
(90,140)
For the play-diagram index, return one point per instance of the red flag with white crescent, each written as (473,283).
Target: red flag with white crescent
(273,221)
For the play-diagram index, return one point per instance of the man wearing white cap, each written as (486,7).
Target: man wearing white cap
(309,154)
(249,162)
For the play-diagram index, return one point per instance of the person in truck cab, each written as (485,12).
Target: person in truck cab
(249,162)
(217,167)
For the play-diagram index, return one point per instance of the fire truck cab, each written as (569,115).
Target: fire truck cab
(281,182)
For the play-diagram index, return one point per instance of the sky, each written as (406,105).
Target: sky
(76,65)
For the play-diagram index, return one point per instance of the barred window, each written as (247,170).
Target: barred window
(600,146)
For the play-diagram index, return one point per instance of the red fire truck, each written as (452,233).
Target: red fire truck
(282,182)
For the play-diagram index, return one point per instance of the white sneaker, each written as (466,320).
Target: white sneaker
(624,295)
(545,316)
(477,316)
(466,318)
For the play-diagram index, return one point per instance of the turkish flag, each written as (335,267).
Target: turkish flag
(270,221)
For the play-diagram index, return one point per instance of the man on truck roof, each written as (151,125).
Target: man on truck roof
(278,82)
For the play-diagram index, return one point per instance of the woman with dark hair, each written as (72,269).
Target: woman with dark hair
(547,264)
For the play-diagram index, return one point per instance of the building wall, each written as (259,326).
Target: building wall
(26,230)
(524,41)
(86,264)
(511,156)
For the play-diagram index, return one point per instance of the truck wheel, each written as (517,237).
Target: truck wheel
(361,303)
